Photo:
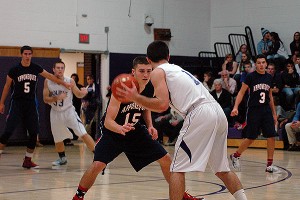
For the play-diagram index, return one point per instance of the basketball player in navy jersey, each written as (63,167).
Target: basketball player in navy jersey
(23,106)
(261,114)
(203,137)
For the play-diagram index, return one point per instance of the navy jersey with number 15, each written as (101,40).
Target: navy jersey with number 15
(259,85)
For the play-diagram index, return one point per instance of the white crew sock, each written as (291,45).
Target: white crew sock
(29,154)
(240,195)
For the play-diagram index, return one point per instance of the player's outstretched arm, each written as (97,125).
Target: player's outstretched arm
(239,99)
(5,93)
(111,114)
(53,78)
(79,93)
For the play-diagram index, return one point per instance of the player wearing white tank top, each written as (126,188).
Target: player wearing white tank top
(63,114)
(203,137)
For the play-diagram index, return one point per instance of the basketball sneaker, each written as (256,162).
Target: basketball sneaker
(60,161)
(235,162)
(29,164)
(272,169)
(187,196)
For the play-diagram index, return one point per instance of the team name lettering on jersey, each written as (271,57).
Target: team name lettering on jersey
(261,86)
(132,106)
(30,77)
(57,92)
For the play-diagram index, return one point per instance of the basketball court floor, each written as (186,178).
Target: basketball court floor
(121,182)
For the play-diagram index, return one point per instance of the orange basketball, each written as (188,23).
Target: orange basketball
(127,79)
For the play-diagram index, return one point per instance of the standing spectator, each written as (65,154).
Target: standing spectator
(295,45)
(63,114)
(292,129)
(227,82)
(261,113)
(91,104)
(264,45)
(224,98)
(230,65)
(208,81)
(24,78)
(290,82)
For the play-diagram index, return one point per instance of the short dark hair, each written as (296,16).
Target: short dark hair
(139,60)
(76,77)
(91,76)
(58,63)
(260,56)
(157,51)
(23,48)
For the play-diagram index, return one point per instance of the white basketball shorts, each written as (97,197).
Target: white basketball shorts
(202,140)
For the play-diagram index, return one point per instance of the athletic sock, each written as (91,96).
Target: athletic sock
(81,191)
(237,154)
(240,195)
(61,154)
(270,162)
(29,155)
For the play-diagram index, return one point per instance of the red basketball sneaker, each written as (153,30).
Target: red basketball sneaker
(187,196)
(29,164)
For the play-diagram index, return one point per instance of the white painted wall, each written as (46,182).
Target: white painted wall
(57,23)
(71,60)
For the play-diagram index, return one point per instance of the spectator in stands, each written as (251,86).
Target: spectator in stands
(292,129)
(297,63)
(169,125)
(243,49)
(227,82)
(247,69)
(246,58)
(276,82)
(265,43)
(295,45)
(208,81)
(277,53)
(290,81)
(230,65)
(224,98)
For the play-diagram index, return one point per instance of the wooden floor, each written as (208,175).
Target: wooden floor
(121,182)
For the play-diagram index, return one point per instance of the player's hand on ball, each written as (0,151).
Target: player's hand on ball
(127,92)
(126,128)
(234,112)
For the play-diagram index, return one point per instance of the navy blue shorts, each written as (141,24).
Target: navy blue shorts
(259,120)
(137,145)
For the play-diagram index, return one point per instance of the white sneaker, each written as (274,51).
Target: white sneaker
(235,162)
(60,161)
(272,169)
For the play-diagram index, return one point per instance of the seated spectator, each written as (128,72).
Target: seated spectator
(290,82)
(224,98)
(243,49)
(169,125)
(227,82)
(265,43)
(295,46)
(208,81)
(277,53)
(292,129)
(230,65)
(247,69)
(297,63)
(276,82)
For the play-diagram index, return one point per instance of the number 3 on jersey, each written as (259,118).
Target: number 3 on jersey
(262,97)
(134,120)
(27,87)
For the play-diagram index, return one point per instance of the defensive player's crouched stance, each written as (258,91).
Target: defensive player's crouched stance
(123,132)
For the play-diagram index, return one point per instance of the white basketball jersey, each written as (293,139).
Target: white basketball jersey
(185,90)
(55,90)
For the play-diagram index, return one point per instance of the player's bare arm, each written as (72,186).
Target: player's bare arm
(49,98)
(5,92)
(53,78)
(79,93)
(161,100)
(111,114)
(239,99)
(148,120)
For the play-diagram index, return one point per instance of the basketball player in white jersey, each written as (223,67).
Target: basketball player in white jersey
(63,114)
(203,137)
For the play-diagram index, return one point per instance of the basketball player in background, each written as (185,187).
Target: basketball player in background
(261,114)
(123,132)
(63,114)
(23,106)
(203,137)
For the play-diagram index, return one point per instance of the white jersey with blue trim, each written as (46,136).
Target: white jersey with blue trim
(56,89)
(185,90)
